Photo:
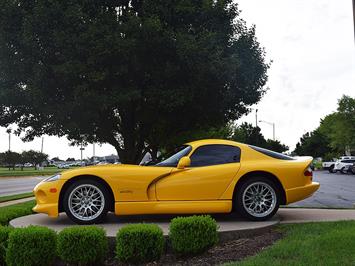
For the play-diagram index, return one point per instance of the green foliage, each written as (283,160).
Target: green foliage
(2,255)
(139,243)
(31,246)
(193,234)
(247,133)
(4,235)
(8,213)
(82,244)
(335,134)
(140,71)
(314,144)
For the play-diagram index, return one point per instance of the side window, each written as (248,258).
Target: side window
(215,154)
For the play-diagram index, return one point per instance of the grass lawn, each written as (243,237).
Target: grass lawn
(13,211)
(29,171)
(15,197)
(326,243)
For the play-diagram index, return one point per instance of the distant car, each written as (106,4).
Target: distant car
(63,166)
(343,165)
(329,165)
(28,165)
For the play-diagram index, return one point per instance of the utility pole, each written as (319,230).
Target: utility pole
(354,16)
(256,117)
(42,145)
(9,132)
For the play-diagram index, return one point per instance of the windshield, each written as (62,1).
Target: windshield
(174,159)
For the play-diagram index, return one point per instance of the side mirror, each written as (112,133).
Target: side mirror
(184,162)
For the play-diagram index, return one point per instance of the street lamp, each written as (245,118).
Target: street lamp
(9,132)
(271,124)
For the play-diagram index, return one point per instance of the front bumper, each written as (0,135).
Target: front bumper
(47,197)
(300,193)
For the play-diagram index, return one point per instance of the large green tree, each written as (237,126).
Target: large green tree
(314,144)
(129,73)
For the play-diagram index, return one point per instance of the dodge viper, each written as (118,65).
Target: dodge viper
(205,176)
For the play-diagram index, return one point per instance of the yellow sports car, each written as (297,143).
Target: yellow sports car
(205,176)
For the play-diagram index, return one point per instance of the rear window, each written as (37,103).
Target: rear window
(272,154)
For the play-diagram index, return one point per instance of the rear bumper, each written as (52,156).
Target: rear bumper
(300,193)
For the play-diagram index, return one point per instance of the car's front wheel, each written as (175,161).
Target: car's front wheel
(257,199)
(86,201)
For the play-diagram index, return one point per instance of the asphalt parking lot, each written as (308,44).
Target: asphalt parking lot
(336,191)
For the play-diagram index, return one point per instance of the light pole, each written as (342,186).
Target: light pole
(42,145)
(256,117)
(271,124)
(9,132)
(81,147)
(93,149)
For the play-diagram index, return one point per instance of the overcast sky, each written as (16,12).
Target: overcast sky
(311,44)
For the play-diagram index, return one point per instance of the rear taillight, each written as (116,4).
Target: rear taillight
(309,173)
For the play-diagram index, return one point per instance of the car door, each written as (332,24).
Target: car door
(211,171)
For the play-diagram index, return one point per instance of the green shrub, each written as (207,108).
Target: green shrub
(4,235)
(82,244)
(33,245)
(138,243)
(13,211)
(192,235)
(2,254)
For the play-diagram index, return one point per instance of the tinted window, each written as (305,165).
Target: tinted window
(176,156)
(272,154)
(215,154)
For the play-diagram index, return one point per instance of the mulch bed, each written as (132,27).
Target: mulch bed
(232,250)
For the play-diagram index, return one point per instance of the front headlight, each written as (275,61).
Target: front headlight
(52,178)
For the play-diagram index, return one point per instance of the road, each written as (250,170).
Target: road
(17,185)
(336,190)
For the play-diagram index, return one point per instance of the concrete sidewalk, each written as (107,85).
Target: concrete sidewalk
(12,202)
(301,215)
(230,225)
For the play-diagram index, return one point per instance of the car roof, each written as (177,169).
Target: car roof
(214,141)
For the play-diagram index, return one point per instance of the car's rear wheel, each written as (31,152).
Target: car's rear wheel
(257,199)
(86,201)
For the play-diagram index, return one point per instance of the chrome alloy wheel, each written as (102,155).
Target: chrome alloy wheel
(86,202)
(259,199)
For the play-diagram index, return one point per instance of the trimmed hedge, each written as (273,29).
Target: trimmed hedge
(4,235)
(139,243)
(13,211)
(193,234)
(31,246)
(82,244)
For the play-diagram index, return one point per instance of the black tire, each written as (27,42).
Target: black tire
(331,169)
(343,171)
(102,211)
(241,192)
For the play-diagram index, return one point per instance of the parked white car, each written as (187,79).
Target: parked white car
(331,164)
(343,164)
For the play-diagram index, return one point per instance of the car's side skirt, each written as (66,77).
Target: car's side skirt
(173,207)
